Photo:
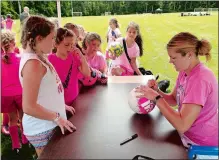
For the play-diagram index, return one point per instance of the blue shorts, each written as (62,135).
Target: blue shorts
(40,140)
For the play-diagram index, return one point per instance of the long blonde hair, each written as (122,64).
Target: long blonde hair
(185,41)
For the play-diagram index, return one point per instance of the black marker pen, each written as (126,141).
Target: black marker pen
(129,139)
(157,77)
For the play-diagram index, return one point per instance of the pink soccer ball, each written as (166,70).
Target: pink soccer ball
(140,105)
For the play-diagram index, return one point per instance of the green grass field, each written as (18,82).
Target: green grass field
(156,31)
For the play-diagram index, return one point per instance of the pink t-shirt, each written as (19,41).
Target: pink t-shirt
(10,76)
(97,62)
(123,60)
(200,87)
(8,23)
(62,68)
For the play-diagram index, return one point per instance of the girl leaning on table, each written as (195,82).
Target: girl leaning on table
(68,62)
(43,93)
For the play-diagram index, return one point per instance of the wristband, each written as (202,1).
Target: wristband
(57,117)
(157,98)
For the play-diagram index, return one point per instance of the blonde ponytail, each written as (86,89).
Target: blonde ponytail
(204,48)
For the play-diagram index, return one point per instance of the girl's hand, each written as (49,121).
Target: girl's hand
(70,109)
(112,55)
(65,124)
(147,92)
(113,38)
(76,52)
(117,71)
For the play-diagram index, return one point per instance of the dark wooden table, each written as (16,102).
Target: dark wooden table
(103,120)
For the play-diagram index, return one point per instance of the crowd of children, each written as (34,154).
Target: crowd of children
(45,79)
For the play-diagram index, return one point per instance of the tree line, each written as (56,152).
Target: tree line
(96,8)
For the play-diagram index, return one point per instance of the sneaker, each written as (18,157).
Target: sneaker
(35,157)
(26,146)
(16,151)
(5,130)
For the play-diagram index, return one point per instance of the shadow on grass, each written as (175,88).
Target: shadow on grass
(27,152)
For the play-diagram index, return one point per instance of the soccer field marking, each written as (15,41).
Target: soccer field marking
(159,27)
(159,46)
(176,26)
(153,32)
(209,36)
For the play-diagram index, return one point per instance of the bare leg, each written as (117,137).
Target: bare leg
(39,151)
(23,137)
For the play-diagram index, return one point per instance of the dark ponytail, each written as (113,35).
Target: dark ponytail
(138,40)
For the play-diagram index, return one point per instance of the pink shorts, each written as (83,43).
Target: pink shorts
(11,103)
(126,72)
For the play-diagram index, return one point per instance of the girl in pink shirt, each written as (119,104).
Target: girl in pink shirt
(196,92)
(11,97)
(95,58)
(74,28)
(8,22)
(68,64)
(121,66)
